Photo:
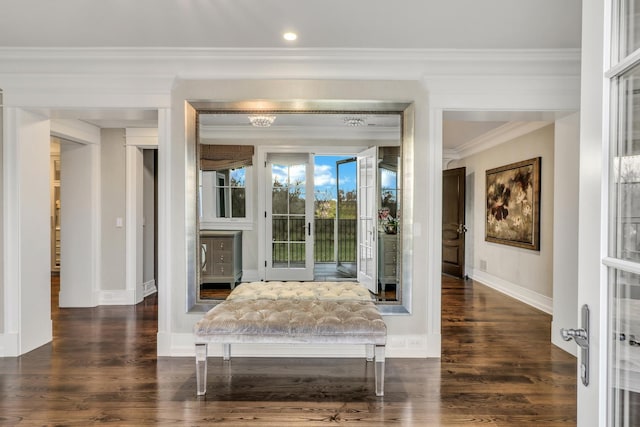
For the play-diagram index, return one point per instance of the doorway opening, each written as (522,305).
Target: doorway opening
(335,210)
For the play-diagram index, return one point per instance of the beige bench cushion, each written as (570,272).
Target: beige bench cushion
(327,291)
(292,321)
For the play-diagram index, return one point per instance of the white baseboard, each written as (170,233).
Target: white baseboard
(527,296)
(250,276)
(117,297)
(149,288)
(400,346)
(9,345)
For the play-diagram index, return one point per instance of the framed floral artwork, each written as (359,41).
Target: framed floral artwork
(513,204)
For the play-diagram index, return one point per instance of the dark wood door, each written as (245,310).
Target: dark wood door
(453,227)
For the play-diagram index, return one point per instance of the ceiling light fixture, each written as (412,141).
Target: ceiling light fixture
(290,36)
(261,121)
(355,121)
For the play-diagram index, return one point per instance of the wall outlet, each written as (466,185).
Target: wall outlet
(483,265)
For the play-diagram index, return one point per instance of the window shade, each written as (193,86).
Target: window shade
(219,157)
(288,159)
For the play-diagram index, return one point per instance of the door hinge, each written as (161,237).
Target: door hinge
(265,214)
(265,263)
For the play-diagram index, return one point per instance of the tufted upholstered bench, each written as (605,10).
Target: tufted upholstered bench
(293,313)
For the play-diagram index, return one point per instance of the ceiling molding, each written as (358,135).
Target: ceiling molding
(239,63)
(497,136)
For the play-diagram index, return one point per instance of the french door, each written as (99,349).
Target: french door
(289,216)
(367,173)
(609,236)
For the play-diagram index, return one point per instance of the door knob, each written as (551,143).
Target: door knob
(578,335)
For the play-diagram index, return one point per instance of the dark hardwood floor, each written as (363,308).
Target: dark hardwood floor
(498,368)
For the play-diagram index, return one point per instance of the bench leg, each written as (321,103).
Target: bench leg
(201,369)
(370,352)
(226,351)
(379,370)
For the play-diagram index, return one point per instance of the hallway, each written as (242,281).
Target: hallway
(102,368)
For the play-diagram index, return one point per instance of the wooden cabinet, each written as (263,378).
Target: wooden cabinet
(387,259)
(221,257)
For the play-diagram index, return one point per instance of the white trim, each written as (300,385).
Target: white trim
(133,264)
(527,296)
(193,62)
(9,345)
(117,297)
(620,264)
(149,287)
(142,137)
(164,236)
(12,224)
(75,130)
(250,275)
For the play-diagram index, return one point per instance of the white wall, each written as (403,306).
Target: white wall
(27,233)
(1,218)
(78,241)
(522,273)
(565,229)
(112,165)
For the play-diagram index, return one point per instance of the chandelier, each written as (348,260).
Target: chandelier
(262,121)
(355,121)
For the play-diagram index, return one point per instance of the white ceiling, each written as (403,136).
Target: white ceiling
(327,24)
(429,24)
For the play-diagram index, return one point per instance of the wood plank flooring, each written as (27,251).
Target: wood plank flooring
(497,369)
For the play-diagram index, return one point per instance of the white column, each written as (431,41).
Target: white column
(134,224)
(27,302)
(565,229)
(164,233)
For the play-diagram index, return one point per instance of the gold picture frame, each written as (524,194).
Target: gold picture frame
(512,214)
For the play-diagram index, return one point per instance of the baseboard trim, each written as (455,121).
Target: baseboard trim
(9,345)
(527,296)
(117,297)
(149,288)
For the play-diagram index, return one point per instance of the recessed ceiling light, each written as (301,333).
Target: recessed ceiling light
(290,36)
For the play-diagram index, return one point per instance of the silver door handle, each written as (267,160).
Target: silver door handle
(581,337)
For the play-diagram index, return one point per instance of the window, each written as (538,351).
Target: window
(224,178)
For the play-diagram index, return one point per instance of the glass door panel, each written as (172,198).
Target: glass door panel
(624,256)
(346,208)
(368,219)
(288,220)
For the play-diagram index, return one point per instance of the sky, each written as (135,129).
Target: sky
(325,175)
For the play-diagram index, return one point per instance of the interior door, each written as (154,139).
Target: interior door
(289,216)
(346,208)
(367,173)
(453,227)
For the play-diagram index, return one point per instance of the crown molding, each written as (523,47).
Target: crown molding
(494,137)
(230,63)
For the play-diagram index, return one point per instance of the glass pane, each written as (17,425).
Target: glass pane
(630,26)
(297,200)
(279,229)
(624,348)
(237,177)
(625,172)
(238,206)
(279,200)
(297,229)
(297,255)
(280,255)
